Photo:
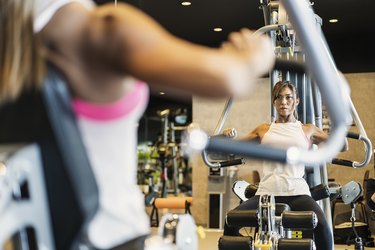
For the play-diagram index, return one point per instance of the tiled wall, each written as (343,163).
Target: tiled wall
(247,113)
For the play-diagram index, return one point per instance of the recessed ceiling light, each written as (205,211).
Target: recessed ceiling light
(218,29)
(3,169)
(162,93)
(333,20)
(186,3)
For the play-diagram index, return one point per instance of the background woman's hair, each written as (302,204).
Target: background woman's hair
(21,64)
(285,84)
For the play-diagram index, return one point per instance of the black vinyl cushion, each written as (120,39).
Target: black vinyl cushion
(74,158)
(26,121)
(46,118)
(235,242)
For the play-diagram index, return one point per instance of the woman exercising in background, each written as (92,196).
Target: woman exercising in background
(286,181)
(101,51)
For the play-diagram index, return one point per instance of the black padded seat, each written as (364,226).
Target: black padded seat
(280,208)
(46,118)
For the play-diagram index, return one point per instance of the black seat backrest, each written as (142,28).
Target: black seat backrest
(46,118)
(69,143)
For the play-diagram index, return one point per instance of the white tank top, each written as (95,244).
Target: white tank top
(45,9)
(109,133)
(284,179)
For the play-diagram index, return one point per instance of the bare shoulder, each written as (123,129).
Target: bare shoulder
(309,128)
(315,134)
(263,128)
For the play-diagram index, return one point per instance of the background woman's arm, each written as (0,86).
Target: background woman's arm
(254,135)
(317,136)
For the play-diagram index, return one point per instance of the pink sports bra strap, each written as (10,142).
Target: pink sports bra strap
(137,98)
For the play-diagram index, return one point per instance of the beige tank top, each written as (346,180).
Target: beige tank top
(284,179)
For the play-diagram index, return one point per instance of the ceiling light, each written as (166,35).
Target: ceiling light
(162,93)
(186,3)
(333,20)
(3,169)
(218,29)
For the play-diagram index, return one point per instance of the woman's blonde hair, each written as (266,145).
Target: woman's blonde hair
(21,64)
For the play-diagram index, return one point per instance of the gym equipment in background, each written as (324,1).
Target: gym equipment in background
(170,203)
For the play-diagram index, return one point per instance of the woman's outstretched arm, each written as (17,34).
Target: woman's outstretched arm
(129,41)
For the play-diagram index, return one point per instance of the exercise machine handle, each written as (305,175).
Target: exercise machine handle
(220,164)
(231,163)
(342,162)
(248,149)
(218,130)
(355,164)
(353,135)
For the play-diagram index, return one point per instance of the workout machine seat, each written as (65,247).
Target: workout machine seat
(285,221)
(45,119)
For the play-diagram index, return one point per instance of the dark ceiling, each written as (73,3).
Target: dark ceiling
(349,39)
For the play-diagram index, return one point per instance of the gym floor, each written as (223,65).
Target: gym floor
(209,242)
(211,236)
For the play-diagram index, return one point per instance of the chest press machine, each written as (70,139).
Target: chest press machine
(295,28)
